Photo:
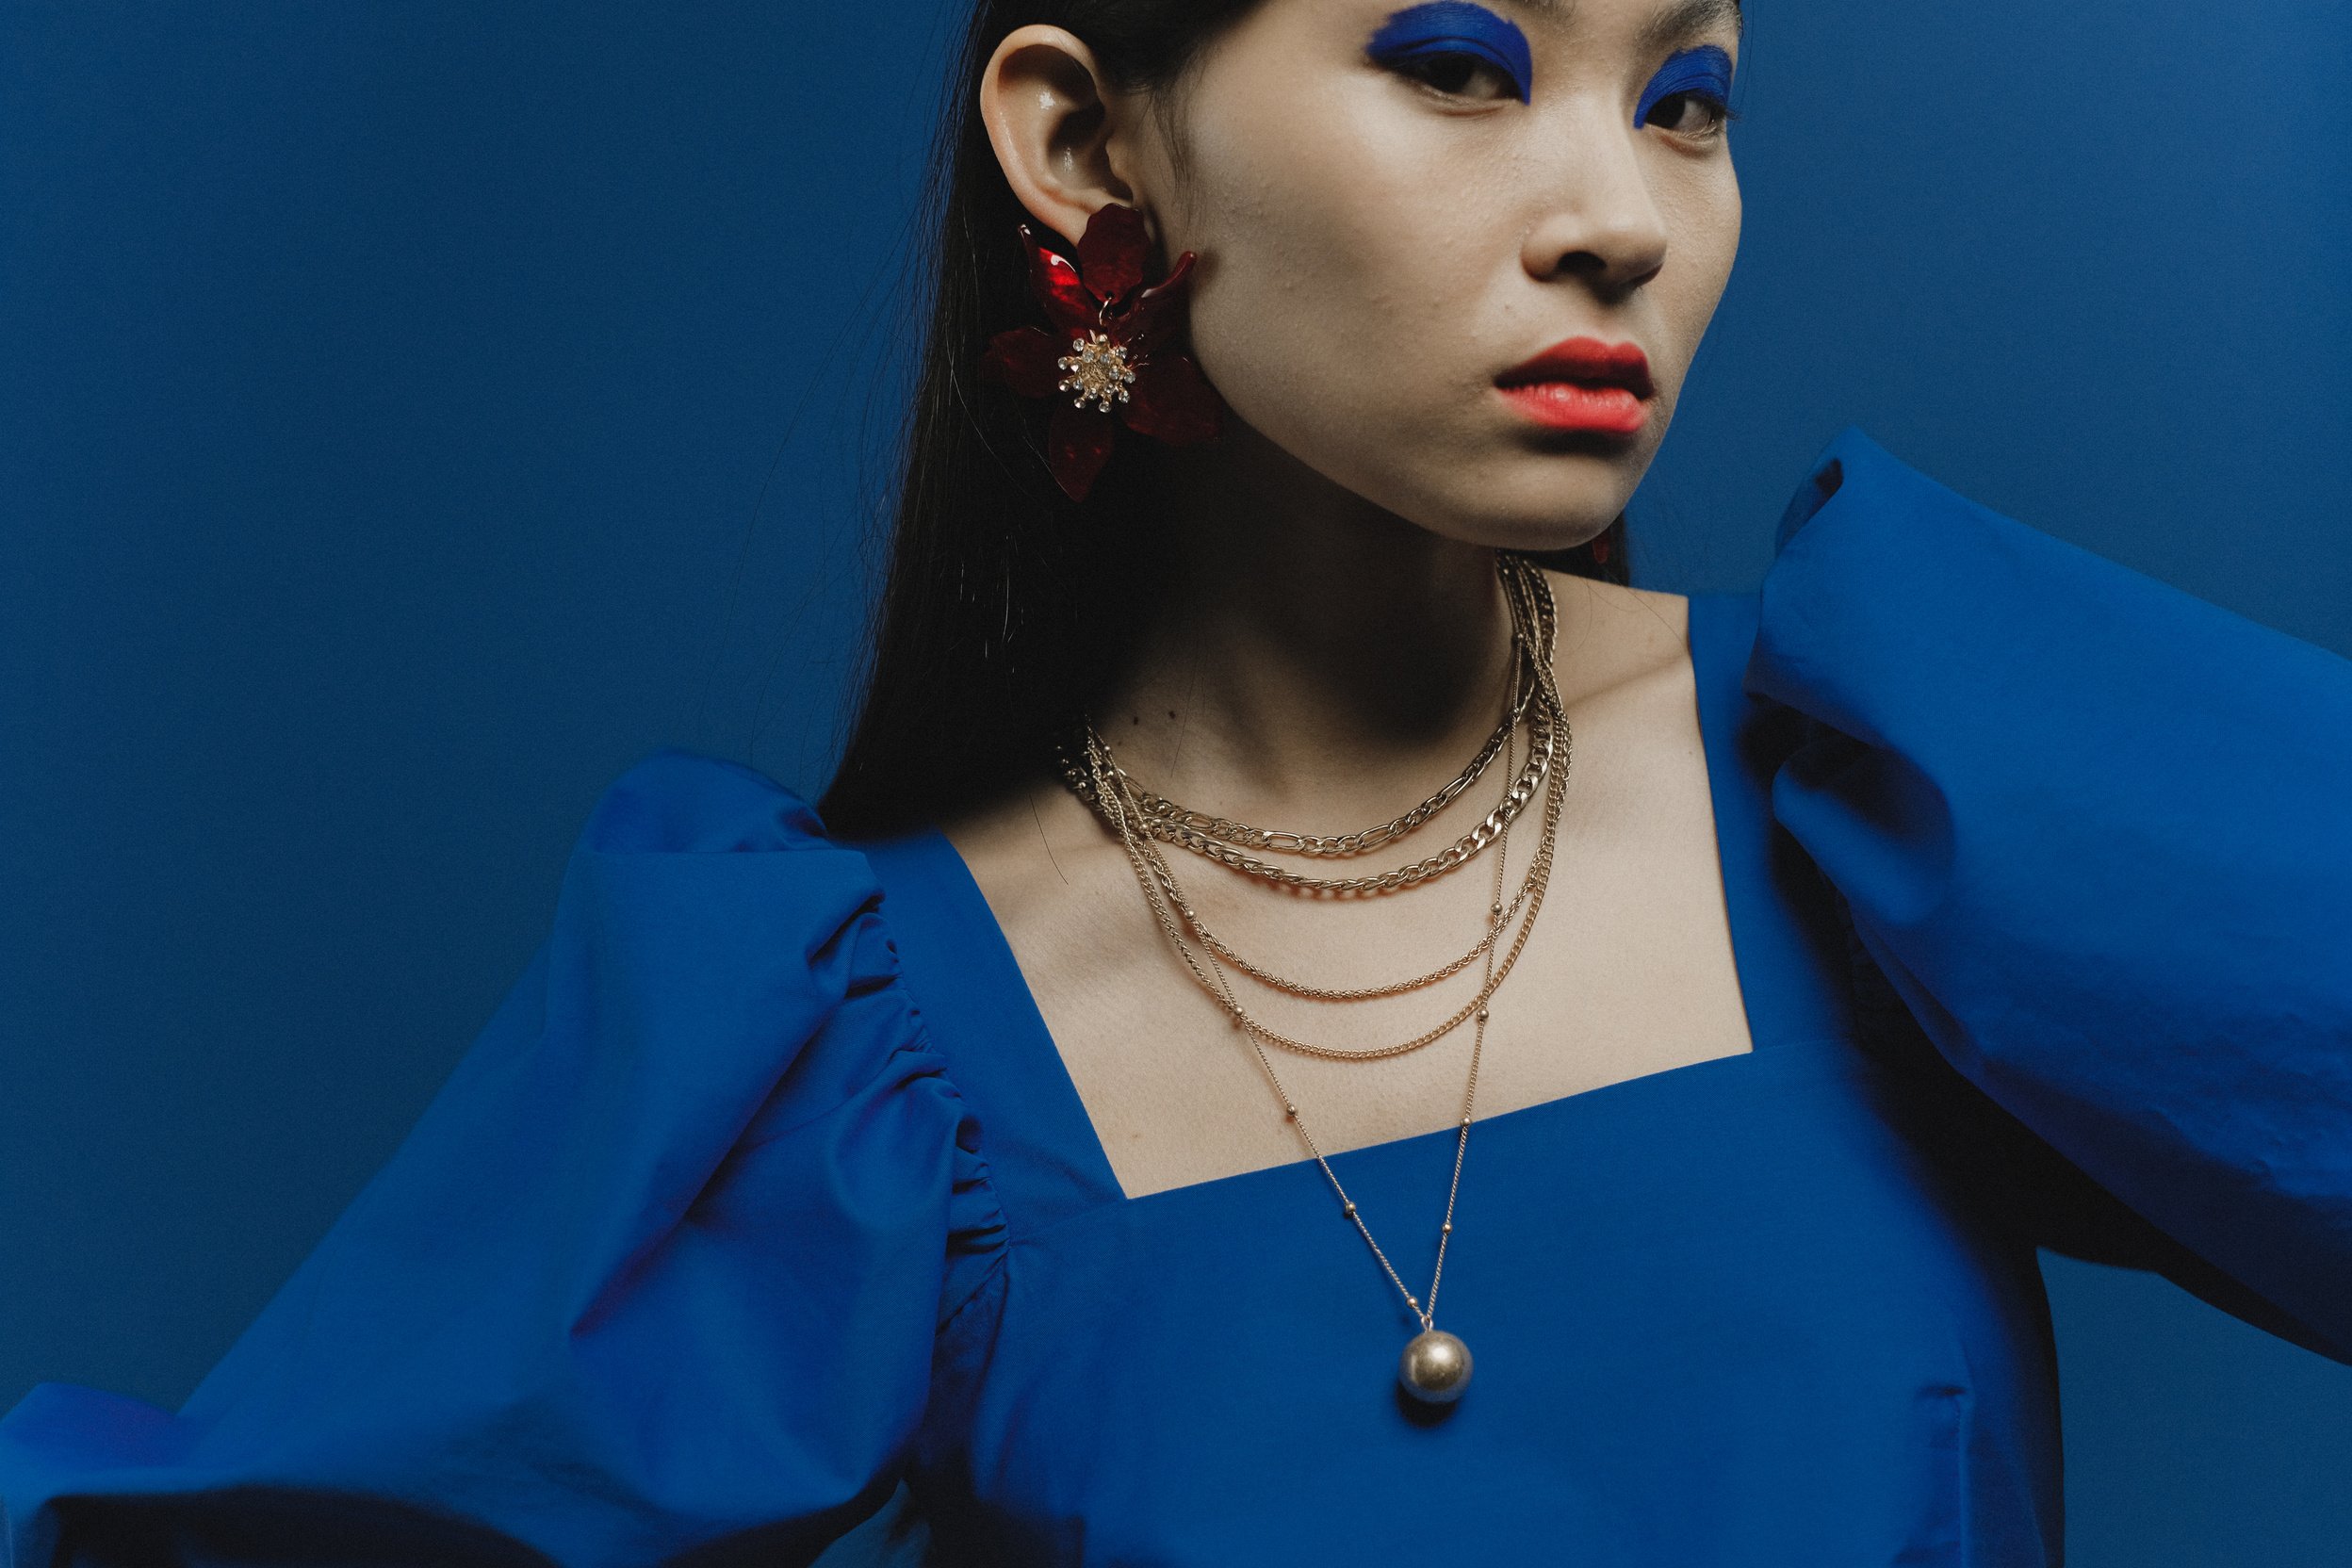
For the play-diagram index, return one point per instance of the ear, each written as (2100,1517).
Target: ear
(1058,131)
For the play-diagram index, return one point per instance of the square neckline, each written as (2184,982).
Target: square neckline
(1048,1073)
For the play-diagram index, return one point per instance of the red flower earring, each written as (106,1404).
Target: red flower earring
(1109,348)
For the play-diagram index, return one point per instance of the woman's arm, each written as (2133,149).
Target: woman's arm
(660,1268)
(2096,836)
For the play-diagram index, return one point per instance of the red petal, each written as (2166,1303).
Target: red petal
(1158,310)
(1172,402)
(1056,283)
(1025,360)
(1111,252)
(1077,444)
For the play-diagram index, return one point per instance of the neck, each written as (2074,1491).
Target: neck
(1314,657)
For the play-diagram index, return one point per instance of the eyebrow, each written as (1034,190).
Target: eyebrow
(1694,16)
(1676,22)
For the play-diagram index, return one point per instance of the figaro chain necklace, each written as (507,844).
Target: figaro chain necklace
(1434,1367)
(1534,620)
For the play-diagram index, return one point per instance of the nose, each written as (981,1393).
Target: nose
(1600,220)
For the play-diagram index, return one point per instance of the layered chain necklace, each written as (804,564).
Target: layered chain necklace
(1434,1367)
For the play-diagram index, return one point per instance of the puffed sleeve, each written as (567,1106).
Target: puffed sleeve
(2096,834)
(658,1273)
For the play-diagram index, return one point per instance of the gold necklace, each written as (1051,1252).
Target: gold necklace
(1435,1366)
(1165,819)
(1528,597)
(1500,916)
(1151,871)
(1528,600)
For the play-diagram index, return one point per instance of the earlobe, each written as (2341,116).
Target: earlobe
(1050,118)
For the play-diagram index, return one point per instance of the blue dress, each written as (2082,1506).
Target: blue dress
(765,1189)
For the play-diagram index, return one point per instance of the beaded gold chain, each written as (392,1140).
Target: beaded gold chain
(1435,1365)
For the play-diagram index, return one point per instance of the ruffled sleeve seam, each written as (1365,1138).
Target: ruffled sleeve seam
(989,1277)
(936,1068)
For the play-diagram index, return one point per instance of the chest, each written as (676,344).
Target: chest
(1627,969)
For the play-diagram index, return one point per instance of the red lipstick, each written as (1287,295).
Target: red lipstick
(1584,384)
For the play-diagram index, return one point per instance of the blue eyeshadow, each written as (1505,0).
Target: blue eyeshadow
(1704,72)
(1455,28)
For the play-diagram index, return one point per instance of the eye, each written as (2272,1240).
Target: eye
(1691,94)
(1694,114)
(1460,49)
(1460,74)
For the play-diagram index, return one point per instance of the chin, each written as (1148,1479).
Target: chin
(1533,503)
(1536,531)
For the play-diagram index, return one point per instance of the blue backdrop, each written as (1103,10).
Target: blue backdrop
(411,415)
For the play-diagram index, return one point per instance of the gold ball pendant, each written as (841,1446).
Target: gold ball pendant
(1435,1367)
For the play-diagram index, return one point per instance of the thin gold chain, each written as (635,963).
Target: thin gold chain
(1452,857)
(1534,616)
(1141,856)
(1427,1314)
(1150,867)
(1499,917)
(1114,797)
(1159,813)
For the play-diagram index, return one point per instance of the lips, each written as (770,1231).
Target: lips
(1584,384)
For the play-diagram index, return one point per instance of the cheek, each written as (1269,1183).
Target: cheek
(1338,272)
(1361,280)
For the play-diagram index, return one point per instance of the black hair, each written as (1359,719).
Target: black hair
(1006,607)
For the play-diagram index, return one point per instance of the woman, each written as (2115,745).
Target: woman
(1815,959)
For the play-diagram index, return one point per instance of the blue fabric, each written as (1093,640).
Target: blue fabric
(2099,835)
(700,1178)
(766,1188)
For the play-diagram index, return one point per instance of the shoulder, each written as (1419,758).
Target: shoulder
(683,802)
(711,896)
(1615,640)
(1891,595)
(684,826)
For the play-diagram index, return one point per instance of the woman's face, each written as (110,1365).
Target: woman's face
(1398,209)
